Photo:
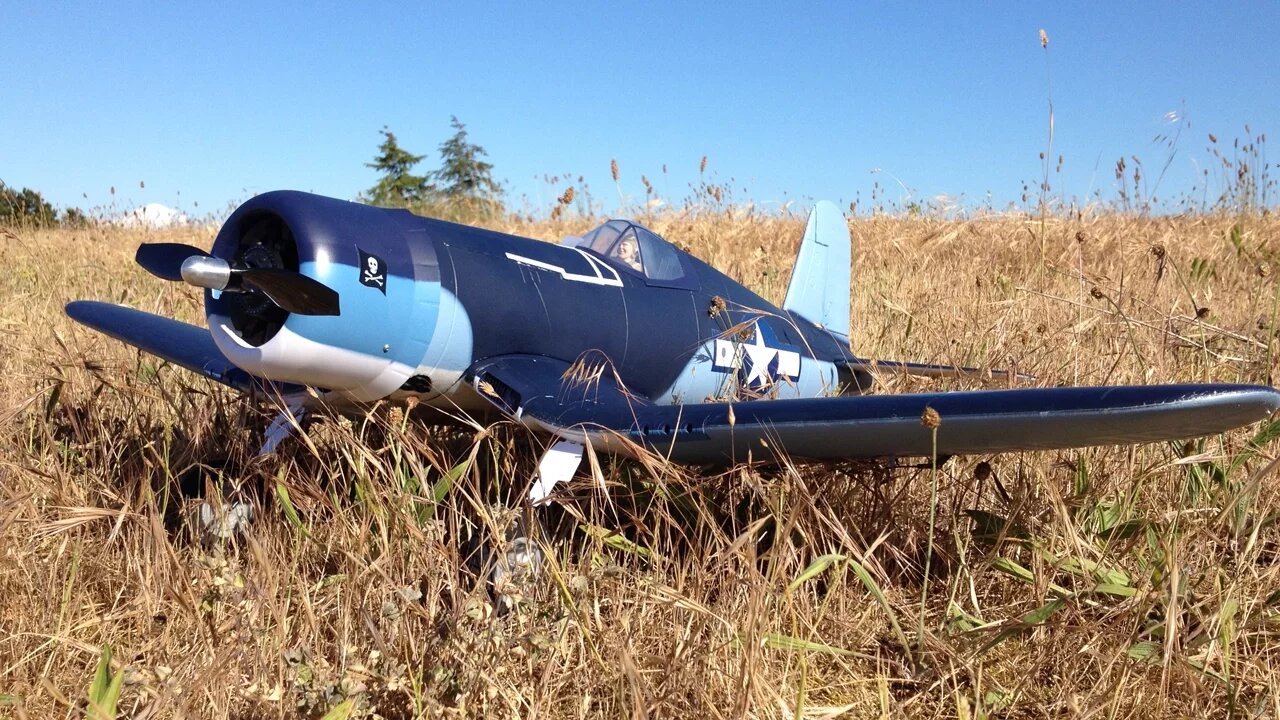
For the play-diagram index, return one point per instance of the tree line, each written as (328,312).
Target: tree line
(462,188)
(28,208)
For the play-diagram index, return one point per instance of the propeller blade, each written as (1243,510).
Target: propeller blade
(292,291)
(164,260)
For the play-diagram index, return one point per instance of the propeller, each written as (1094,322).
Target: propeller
(164,260)
(290,291)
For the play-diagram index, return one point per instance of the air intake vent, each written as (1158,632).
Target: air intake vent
(265,242)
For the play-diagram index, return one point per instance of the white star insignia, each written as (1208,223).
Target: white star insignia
(761,356)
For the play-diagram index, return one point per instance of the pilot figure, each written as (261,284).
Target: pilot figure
(629,252)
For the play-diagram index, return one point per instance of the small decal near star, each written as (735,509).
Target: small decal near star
(759,362)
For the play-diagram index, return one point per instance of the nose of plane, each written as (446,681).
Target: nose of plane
(386,275)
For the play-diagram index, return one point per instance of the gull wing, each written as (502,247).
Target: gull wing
(182,344)
(551,395)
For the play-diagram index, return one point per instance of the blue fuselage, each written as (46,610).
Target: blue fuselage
(422,300)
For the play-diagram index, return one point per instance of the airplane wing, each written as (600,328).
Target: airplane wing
(187,345)
(551,395)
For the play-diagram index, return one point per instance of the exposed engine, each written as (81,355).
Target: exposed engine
(265,243)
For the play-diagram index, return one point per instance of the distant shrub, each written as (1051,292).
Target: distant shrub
(25,207)
(75,218)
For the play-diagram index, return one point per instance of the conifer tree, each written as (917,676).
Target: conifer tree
(398,187)
(462,174)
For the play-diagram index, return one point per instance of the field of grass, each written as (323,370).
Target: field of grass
(1113,582)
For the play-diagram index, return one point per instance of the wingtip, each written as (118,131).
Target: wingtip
(1268,397)
(78,309)
(1244,404)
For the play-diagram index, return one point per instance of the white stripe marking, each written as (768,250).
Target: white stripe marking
(597,279)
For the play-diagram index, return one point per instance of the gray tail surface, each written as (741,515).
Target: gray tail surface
(819,290)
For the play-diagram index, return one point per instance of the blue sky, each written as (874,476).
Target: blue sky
(207,104)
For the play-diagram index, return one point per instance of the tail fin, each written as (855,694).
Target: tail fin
(819,290)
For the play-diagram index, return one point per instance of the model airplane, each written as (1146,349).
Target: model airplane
(617,339)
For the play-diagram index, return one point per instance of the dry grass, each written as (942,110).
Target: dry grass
(1109,582)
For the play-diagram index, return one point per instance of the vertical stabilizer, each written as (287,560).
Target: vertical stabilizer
(819,290)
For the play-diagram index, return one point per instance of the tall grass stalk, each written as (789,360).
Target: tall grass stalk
(930,420)
(1046,157)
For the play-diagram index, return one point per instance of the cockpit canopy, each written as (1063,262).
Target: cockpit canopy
(640,250)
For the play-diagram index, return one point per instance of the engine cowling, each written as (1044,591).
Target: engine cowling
(381,263)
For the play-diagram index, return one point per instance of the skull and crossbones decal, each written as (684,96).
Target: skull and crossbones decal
(373,271)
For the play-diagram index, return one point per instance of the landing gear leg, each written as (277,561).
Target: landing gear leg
(518,565)
(519,562)
(222,522)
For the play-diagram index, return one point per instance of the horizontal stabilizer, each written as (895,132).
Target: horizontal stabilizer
(927,370)
(543,393)
(178,342)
